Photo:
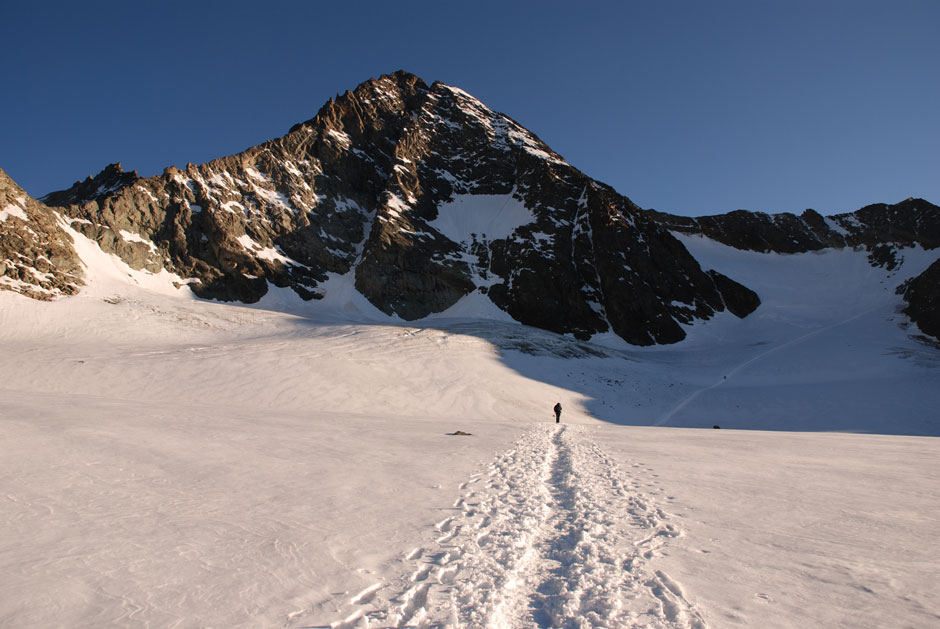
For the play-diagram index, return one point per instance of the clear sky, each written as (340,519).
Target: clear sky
(690,107)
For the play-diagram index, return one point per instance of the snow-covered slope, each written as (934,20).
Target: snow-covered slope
(175,462)
(827,350)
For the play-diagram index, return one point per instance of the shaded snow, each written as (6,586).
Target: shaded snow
(474,306)
(481,216)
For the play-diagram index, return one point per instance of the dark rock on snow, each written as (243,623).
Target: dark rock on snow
(740,300)
(911,222)
(922,295)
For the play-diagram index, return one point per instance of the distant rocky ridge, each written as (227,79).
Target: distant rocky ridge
(882,230)
(874,227)
(426,195)
(94,188)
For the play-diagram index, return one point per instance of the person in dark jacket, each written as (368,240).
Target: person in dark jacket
(558,412)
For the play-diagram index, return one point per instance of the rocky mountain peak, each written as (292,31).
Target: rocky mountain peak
(367,105)
(94,187)
(422,195)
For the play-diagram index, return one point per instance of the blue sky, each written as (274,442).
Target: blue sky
(689,107)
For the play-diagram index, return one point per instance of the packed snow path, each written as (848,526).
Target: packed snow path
(553,534)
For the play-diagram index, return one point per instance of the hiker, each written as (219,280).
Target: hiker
(557,412)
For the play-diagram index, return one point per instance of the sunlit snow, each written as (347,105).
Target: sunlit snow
(17,210)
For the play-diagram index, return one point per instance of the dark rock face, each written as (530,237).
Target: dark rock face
(105,183)
(908,223)
(923,298)
(739,299)
(37,258)
(368,186)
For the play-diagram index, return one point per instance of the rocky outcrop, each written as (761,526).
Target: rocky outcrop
(409,187)
(99,186)
(922,295)
(739,299)
(37,258)
(908,223)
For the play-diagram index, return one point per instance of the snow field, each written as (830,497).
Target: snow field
(785,530)
(142,514)
(168,462)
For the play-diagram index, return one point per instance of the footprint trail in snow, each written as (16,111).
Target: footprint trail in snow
(553,534)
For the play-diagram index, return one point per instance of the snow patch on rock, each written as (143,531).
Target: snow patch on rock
(471,217)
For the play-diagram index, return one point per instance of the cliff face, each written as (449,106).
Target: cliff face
(922,295)
(37,258)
